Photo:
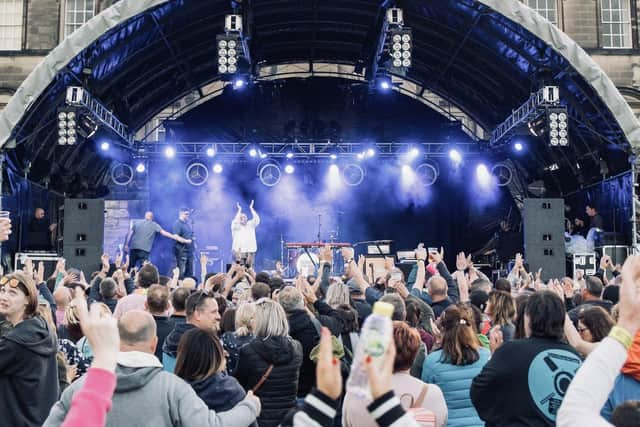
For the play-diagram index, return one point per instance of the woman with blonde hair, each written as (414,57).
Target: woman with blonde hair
(337,295)
(270,364)
(501,309)
(234,341)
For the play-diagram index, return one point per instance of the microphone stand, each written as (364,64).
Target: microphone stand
(319,227)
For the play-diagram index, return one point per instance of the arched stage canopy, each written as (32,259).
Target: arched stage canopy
(483,56)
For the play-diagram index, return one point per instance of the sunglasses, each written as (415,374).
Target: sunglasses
(13,282)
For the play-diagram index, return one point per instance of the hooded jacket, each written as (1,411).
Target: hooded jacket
(149,396)
(627,385)
(28,373)
(278,393)
(172,340)
(302,329)
(220,392)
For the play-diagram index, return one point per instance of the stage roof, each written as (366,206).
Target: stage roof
(483,56)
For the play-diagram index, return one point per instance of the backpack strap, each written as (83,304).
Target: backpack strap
(421,396)
(263,379)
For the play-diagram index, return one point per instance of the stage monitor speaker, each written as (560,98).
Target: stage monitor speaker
(83,232)
(544,236)
(377,263)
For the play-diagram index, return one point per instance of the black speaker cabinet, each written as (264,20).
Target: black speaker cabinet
(544,236)
(83,233)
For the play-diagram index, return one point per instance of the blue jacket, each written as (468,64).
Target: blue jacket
(220,392)
(455,382)
(626,388)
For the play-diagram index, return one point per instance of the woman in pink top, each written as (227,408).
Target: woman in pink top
(425,401)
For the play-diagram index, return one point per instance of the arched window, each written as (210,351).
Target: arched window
(546,8)
(11,24)
(615,24)
(75,14)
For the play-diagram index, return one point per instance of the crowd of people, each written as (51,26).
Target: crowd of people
(133,347)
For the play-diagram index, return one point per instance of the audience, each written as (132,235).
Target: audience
(501,310)
(179,304)
(147,276)
(157,305)
(243,335)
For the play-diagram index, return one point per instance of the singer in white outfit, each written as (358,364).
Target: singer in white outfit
(243,232)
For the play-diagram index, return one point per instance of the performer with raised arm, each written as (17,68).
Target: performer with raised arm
(243,232)
(140,239)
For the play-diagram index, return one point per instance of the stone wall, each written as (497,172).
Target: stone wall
(580,21)
(117,220)
(43,24)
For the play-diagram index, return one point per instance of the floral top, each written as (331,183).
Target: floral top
(73,356)
(232,343)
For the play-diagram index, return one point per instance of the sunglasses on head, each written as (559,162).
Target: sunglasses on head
(13,282)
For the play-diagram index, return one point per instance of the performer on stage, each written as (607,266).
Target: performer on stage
(184,251)
(140,239)
(595,220)
(244,236)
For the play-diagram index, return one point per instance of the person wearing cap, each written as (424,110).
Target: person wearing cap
(28,366)
(183,251)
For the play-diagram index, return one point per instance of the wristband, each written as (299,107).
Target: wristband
(622,336)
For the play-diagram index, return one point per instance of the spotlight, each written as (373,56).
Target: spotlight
(289,169)
(482,175)
(414,153)
(455,156)
(67,122)
(333,179)
(518,146)
(361,156)
(217,168)
(399,50)
(408,176)
(169,152)
(384,84)
(229,53)
(239,83)
(104,146)
(371,152)
(289,155)
(263,155)
(140,167)
(253,152)
(558,126)
(333,156)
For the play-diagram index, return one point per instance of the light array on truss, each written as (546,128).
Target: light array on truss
(229,53)
(400,49)
(67,126)
(558,126)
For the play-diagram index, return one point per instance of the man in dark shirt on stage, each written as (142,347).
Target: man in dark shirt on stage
(595,220)
(40,232)
(141,236)
(184,251)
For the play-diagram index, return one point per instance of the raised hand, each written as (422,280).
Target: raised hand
(567,287)
(28,267)
(629,304)
(104,259)
(495,338)
(118,261)
(102,332)
(519,261)
(328,375)
(39,274)
(239,207)
(326,254)
(421,253)
(60,266)
(461,262)
(251,205)
(5,229)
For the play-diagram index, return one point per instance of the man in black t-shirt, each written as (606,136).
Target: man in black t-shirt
(184,251)
(40,232)
(595,220)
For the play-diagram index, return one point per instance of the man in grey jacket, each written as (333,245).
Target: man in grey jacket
(147,395)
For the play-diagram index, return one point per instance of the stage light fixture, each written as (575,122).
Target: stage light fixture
(361,156)
(399,49)
(455,156)
(211,152)
(263,155)
(105,146)
(67,122)
(217,168)
(370,152)
(557,120)
(169,152)
(253,152)
(414,153)
(289,169)
(140,167)
(518,146)
(333,156)
(408,176)
(385,85)
(289,155)
(239,83)
(230,51)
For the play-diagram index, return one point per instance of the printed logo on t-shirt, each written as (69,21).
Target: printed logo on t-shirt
(550,374)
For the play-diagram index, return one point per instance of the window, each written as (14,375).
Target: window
(76,14)
(615,24)
(547,8)
(11,24)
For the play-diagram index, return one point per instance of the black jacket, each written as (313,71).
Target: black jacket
(28,373)
(164,326)
(524,382)
(302,329)
(603,303)
(278,393)
(221,392)
(172,340)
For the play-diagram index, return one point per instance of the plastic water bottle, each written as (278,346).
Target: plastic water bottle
(375,336)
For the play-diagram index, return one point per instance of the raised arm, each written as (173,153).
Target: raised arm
(255,218)
(174,237)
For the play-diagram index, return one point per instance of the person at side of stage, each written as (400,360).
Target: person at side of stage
(243,232)
(184,251)
(140,239)
(595,220)
(41,231)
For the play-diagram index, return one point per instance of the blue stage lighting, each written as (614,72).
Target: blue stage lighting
(217,168)
(414,153)
(170,152)
(333,156)
(140,167)
(105,146)
(289,155)
(384,83)
(253,152)
(483,175)
(263,155)
(455,156)
(211,152)
(371,152)
(518,146)
(239,83)
(289,169)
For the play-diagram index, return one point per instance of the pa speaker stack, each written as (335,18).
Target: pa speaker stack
(83,234)
(544,237)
